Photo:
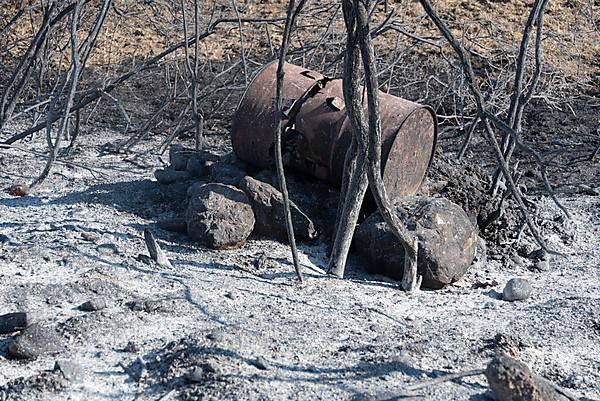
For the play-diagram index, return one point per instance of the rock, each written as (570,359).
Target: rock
(11,322)
(267,204)
(34,341)
(219,216)
(587,190)
(70,370)
(540,259)
(542,265)
(315,198)
(198,166)
(178,157)
(447,241)
(108,249)
(194,162)
(216,335)
(227,173)
(261,363)
(153,305)
(131,347)
(511,380)
(93,305)
(91,237)
(4,239)
(196,375)
(517,289)
(169,176)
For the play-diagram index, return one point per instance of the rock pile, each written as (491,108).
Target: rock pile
(225,204)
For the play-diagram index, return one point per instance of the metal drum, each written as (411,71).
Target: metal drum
(319,132)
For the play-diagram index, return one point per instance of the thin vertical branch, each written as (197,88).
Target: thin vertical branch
(292,13)
(241,33)
(193,71)
(198,117)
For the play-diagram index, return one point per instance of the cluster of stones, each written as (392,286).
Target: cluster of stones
(225,205)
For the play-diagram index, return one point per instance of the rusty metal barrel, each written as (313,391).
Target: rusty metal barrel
(319,132)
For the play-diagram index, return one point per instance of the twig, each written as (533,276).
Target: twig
(468,138)
(241,35)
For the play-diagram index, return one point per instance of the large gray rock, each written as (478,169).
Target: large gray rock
(36,340)
(512,380)
(267,203)
(219,216)
(447,241)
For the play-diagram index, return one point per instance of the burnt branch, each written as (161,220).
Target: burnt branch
(292,14)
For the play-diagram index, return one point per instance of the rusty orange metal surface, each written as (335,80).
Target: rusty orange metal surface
(318,132)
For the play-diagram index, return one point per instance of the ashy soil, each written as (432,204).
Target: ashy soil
(236,325)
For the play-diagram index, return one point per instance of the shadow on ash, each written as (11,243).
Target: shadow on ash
(234,196)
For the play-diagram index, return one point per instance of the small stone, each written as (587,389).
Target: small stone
(18,190)
(542,265)
(587,190)
(216,335)
(70,370)
(145,259)
(517,289)
(4,239)
(91,237)
(152,305)
(196,375)
(93,305)
(34,341)
(261,363)
(131,347)
(169,176)
(538,254)
(108,249)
